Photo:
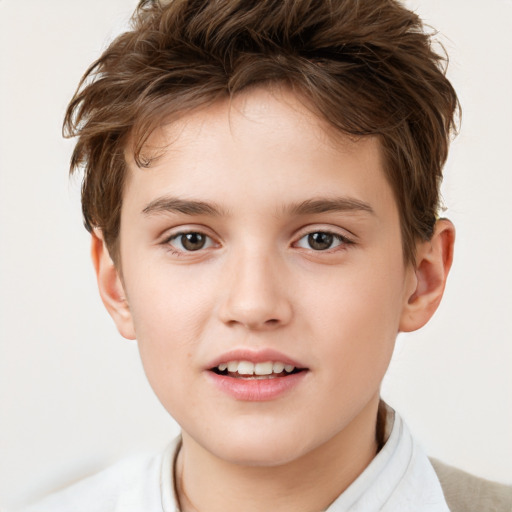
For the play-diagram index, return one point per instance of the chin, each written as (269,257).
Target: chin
(258,457)
(259,448)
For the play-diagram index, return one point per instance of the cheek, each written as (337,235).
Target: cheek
(170,300)
(359,318)
(169,310)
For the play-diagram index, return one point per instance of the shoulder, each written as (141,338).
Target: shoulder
(468,493)
(133,484)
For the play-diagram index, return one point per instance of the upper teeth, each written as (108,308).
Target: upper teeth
(248,368)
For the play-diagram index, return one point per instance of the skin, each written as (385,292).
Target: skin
(257,283)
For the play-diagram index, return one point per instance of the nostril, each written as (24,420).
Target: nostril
(255,309)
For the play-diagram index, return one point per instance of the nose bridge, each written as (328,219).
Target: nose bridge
(255,294)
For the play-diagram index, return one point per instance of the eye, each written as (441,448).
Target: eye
(321,241)
(189,242)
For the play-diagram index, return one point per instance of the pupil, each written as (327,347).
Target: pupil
(320,241)
(193,241)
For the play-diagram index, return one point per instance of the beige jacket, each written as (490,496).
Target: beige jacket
(467,493)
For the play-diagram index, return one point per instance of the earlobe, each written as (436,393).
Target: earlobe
(111,287)
(433,262)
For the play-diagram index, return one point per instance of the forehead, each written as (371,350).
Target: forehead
(262,143)
(277,104)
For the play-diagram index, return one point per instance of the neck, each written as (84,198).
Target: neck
(308,484)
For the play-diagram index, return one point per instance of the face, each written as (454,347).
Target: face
(263,272)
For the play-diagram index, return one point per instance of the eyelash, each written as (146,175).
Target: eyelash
(343,242)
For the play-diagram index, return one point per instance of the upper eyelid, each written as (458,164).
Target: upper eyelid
(172,233)
(333,230)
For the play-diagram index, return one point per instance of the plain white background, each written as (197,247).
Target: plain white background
(73,396)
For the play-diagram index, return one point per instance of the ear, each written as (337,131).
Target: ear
(111,287)
(433,261)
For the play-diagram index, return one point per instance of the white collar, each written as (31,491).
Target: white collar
(399,478)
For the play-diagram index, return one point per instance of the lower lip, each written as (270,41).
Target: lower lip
(256,390)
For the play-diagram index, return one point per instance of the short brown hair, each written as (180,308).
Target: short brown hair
(367,67)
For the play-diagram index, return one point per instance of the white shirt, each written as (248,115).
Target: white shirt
(399,479)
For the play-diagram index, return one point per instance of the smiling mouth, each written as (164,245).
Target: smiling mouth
(248,370)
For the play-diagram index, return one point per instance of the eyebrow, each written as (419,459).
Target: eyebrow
(185,206)
(307,207)
(338,204)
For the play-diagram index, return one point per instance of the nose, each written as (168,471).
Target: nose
(255,294)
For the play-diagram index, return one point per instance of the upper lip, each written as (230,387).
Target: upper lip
(254,356)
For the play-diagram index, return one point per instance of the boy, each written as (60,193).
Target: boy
(261,184)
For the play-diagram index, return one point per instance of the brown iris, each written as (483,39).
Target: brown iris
(193,241)
(320,241)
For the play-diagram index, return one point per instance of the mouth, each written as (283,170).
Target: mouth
(247,370)
(256,375)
